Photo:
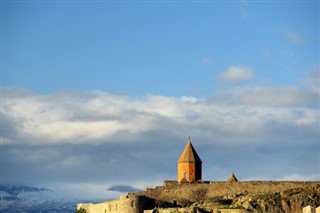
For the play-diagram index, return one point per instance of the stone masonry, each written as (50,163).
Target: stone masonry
(311,209)
(190,210)
(126,203)
(189,165)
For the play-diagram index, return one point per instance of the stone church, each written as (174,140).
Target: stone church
(189,171)
(189,175)
(189,165)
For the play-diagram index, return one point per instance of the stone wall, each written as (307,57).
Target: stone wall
(125,204)
(191,210)
(175,191)
(311,209)
(172,192)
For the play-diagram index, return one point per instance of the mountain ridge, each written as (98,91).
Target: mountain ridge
(31,199)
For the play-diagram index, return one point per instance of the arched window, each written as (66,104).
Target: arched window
(185,175)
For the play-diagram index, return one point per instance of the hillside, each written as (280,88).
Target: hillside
(251,196)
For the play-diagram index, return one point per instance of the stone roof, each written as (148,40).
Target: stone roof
(189,155)
(232,178)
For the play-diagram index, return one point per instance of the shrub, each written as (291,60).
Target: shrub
(81,210)
(199,194)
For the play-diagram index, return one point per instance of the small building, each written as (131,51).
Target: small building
(232,178)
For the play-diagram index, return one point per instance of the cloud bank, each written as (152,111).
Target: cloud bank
(102,139)
(97,117)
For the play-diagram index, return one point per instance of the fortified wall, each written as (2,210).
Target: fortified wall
(173,193)
(127,203)
(172,190)
(190,210)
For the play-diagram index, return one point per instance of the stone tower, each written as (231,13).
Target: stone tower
(189,165)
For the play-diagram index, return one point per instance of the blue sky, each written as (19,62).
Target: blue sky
(110,46)
(88,86)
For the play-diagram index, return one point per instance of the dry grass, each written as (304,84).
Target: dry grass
(184,191)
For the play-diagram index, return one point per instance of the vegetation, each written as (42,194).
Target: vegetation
(236,207)
(277,199)
(199,194)
(81,210)
(251,196)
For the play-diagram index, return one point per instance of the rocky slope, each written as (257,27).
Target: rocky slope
(288,201)
(262,197)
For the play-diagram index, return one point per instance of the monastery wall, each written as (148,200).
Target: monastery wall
(172,190)
(191,210)
(126,203)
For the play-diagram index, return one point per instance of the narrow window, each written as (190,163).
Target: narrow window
(133,204)
(185,175)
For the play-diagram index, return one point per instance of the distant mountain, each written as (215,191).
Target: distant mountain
(123,188)
(33,200)
(15,190)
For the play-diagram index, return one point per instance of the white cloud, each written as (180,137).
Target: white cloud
(97,117)
(266,53)
(293,37)
(312,80)
(237,73)
(292,177)
(243,10)
(300,177)
(206,61)
(269,96)
(70,131)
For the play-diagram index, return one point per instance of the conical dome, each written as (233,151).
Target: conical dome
(189,155)
(232,178)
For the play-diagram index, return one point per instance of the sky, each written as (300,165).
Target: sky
(103,93)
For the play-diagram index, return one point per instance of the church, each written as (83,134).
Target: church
(189,170)
(175,195)
(189,165)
